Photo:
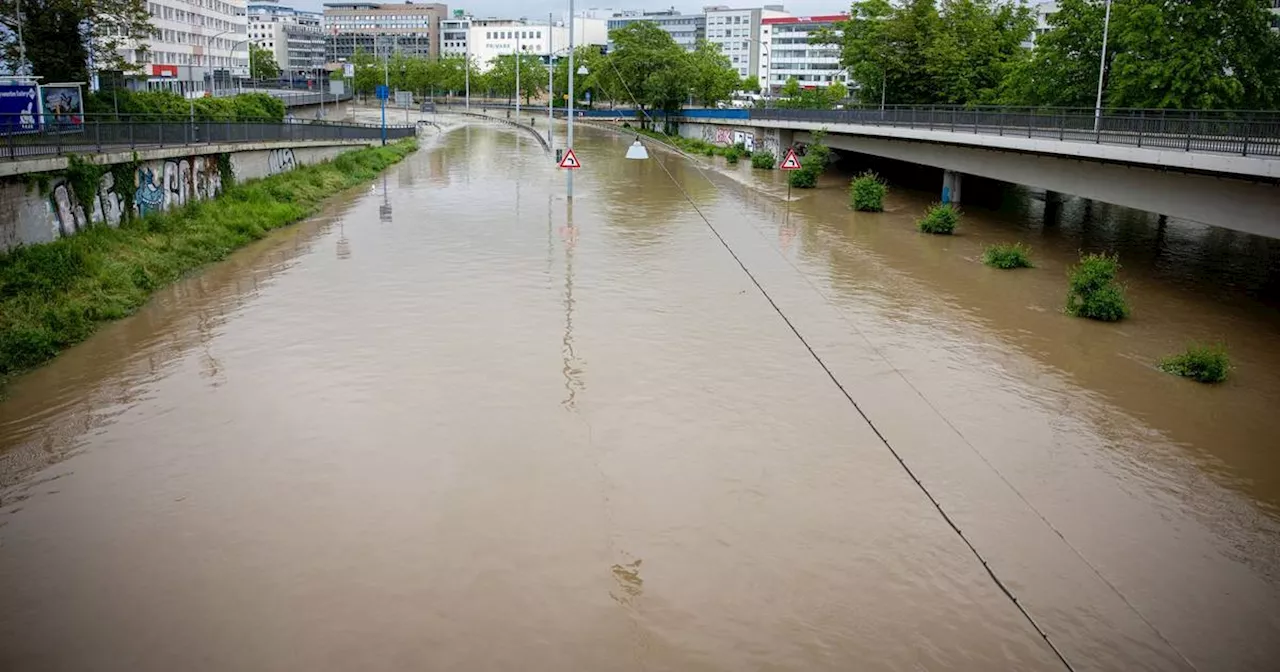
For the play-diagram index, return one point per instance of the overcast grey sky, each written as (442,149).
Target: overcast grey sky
(539,8)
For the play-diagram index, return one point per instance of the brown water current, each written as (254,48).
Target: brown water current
(458,422)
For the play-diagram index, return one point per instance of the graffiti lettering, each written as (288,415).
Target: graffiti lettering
(280,161)
(107,207)
(148,197)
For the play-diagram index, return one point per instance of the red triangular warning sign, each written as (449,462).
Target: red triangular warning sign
(791,162)
(570,160)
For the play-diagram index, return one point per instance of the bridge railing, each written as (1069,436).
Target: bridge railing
(89,136)
(1245,133)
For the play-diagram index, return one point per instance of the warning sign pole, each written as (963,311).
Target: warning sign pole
(790,162)
(570,160)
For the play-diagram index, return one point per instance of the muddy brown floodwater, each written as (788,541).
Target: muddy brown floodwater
(456,422)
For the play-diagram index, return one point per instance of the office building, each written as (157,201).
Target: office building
(737,32)
(198,46)
(493,37)
(791,54)
(685,29)
(454,33)
(295,38)
(411,29)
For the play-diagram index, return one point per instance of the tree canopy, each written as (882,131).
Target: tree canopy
(61,36)
(1161,53)
(264,63)
(646,67)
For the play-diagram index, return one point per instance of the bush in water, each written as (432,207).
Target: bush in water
(1093,291)
(763,160)
(866,192)
(1007,255)
(1203,363)
(940,219)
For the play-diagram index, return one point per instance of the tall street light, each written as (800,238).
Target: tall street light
(569,105)
(1102,69)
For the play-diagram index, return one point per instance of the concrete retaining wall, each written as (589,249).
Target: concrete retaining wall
(770,139)
(42,207)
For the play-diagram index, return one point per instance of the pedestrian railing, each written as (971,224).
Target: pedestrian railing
(1244,133)
(89,136)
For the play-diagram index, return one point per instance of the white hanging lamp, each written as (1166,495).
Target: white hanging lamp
(637,150)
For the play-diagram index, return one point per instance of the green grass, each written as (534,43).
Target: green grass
(866,192)
(940,219)
(1007,255)
(54,295)
(763,160)
(1203,363)
(1093,291)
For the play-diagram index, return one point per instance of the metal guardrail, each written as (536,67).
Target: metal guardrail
(510,122)
(1242,133)
(95,136)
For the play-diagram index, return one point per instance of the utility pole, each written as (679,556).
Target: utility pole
(517,76)
(1102,69)
(467,66)
(386,86)
(551,82)
(569,103)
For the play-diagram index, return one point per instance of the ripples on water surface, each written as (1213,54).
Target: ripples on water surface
(455,423)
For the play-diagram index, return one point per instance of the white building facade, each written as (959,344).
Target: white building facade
(685,29)
(737,32)
(295,38)
(790,53)
(489,38)
(197,47)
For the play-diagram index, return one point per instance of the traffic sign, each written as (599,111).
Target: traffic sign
(569,160)
(791,162)
(382,92)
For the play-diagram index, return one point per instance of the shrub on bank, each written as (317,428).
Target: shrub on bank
(940,219)
(1007,255)
(763,160)
(1202,363)
(866,192)
(54,295)
(1093,291)
(814,163)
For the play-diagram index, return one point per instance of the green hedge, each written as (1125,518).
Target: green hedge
(166,105)
(54,295)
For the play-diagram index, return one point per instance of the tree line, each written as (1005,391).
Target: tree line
(1173,54)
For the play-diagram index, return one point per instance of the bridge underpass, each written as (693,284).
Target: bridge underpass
(1229,177)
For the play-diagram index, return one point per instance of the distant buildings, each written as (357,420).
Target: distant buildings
(791,54)
(197,46)
(294,37)
(737,32)
(685,29)
(411,29)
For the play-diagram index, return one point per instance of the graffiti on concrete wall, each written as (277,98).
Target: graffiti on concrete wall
(721,135)
(280,161)
(148,198)
(107,206)
(68,214)
(771,143)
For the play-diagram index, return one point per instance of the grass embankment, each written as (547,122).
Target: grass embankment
(55,295)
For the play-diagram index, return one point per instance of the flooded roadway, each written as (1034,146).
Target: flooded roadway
(455,422)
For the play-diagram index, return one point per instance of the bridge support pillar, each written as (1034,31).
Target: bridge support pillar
(951,186)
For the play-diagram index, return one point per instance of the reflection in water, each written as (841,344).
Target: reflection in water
(572,366)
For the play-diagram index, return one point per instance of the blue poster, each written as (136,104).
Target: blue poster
(19,108)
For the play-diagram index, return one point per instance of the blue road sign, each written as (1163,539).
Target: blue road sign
(382,92)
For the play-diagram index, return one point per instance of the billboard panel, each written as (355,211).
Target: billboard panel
(19,108)
(63,107)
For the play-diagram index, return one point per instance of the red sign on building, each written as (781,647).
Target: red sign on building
(158,70)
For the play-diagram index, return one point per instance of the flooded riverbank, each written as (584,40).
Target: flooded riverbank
(458,423)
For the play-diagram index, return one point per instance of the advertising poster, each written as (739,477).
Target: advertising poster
(19,108)
(63,107)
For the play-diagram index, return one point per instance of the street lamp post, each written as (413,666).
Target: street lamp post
(517,76)
(551,82)
(466,69)
(569,103)
(1102,69)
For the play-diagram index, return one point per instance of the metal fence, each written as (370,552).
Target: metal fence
(1243,133)
(94,136)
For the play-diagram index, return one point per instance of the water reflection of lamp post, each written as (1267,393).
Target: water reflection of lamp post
(344,245)
(384,210)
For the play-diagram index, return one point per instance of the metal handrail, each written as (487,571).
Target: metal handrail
(1239,132)
(96,135)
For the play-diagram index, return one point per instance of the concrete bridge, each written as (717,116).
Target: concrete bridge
(1217,169)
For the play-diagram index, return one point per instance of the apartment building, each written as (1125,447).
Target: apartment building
(790,53)
(294,37)
(454,33)
(197,46)
(685,29)
(411,29)
(737,32)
